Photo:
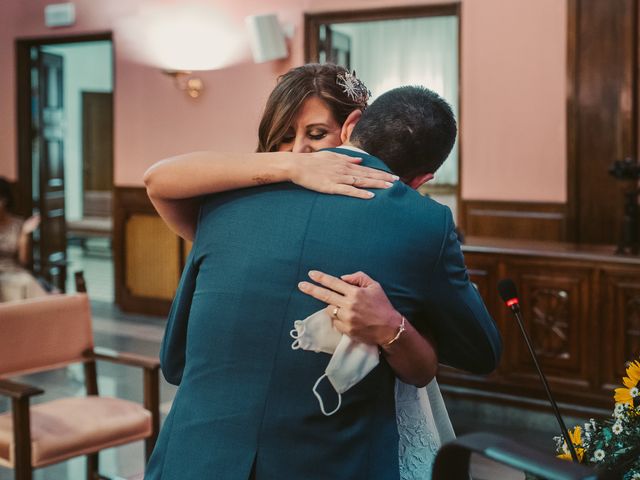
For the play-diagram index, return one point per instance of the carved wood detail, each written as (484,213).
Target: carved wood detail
(581,306)
(552,297)
(550,322)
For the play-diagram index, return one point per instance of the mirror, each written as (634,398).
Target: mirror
(390,48)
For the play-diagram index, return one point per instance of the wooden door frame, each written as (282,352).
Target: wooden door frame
(23,108)
(312,22)
(573,116)
(571,234)
(85,101)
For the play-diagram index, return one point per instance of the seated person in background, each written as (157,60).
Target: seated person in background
(16,283)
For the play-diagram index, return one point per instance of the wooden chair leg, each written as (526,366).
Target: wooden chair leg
(152,403)
(22,438)
(23,472)
(93,465)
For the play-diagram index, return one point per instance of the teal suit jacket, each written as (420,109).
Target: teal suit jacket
(245,395)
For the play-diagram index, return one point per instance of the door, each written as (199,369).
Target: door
(97,153)
(602,115)
(334,47)
(97,141)
(48,167)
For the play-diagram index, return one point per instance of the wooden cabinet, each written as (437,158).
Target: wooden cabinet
(555,308)
(620,326)
(581,307)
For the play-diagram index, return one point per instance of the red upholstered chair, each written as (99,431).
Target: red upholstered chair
(51,332)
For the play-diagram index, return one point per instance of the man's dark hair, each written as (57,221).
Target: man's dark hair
(411,129)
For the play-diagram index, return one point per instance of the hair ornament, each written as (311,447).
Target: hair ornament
(353,87)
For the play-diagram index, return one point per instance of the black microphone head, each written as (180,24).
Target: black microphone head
(507,289)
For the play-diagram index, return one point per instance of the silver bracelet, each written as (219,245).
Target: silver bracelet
(401,329)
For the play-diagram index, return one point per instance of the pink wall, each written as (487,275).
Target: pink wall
(513,92)
(513,100)
(8,15)
(153,120)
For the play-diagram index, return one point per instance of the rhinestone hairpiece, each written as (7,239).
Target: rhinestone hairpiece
(355,89)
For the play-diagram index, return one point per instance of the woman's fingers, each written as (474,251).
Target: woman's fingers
(350,191)
(323,294)
(367,172)
(335,292)
(359,279)
(353,186)
(364,182)
(340,325)
(349,158)
(329,281)
(362,171)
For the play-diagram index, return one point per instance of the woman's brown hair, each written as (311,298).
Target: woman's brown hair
(293,88)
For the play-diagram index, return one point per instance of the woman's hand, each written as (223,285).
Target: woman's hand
(360,308)
(30,224)
(24,241)
(331,172)
(363,309)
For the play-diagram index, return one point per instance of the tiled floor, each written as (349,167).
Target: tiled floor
(142,334)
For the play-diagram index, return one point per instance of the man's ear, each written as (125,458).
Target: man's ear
(417,182)
(349,124)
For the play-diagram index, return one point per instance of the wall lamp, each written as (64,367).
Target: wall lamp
(185,81)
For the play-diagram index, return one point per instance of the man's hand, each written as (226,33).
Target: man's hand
(357,304)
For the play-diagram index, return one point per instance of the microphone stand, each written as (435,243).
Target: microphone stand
(574,455)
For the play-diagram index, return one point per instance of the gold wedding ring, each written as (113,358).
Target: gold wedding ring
(334,314)
(355,180)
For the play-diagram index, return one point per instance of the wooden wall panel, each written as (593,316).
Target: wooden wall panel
(520,220)
(556,309)
(148,257)
(152,254)
(186,250)
(620,329)
(483,272)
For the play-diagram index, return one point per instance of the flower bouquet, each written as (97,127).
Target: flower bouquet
(612,444)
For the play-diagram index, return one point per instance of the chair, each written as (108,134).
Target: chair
(96,221)
(452,461)
(51,332)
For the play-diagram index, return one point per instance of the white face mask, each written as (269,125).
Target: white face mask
(315,333)
(351,361)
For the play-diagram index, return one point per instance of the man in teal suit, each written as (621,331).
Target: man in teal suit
(245,407)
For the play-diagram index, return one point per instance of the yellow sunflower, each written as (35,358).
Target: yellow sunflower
(576,438)
(631,394)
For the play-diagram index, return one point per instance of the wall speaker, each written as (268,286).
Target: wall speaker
(266,38)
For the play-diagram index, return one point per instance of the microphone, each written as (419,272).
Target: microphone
(509,295)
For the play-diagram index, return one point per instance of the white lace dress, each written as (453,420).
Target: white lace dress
(423,426)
